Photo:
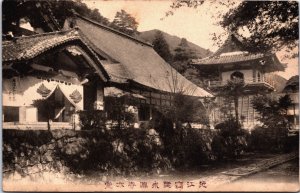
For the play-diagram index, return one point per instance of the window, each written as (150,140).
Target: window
(236,75)
(144,113)
(11,114)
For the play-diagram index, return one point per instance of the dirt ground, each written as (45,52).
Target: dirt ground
(284,177)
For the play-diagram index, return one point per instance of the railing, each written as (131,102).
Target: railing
(268,81)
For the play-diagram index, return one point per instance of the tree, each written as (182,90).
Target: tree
(46,107)
(33,12)
(184,107)
(161,46)
(273,134)
(232,91)
(125,23)
(117,111)
(79,7)
(273,112)
(183,52)
(272,25)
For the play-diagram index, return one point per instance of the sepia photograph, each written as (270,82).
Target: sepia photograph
(150,95)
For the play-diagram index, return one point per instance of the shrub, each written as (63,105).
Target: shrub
(269,139)
(118,112)
(121,152)
(272,135)
(187,147)
(141,149)
(92,119)
(231,141)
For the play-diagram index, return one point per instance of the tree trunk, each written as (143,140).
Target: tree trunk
(236,109)
(48,124)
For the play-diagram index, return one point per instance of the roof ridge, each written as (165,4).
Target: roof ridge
(113,30)
(230,37)
(43,34)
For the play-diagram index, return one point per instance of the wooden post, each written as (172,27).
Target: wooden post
(295,117)
(22,114)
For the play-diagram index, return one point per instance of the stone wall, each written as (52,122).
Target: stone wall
(28,153)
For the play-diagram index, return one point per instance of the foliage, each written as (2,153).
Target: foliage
(125,23)
(273,113)
(192,151)
(79,7)
(56,10)
(271,25)
(268,139)
(231,92)
(272,135)
(46,106)
(184,146)
(184,109)
(92,119)
(160,45)
(184,52)
(118,113)
(123,152)
(231,141)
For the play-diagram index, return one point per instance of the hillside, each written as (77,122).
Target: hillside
(173,42)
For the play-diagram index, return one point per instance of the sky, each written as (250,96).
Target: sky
(196,25)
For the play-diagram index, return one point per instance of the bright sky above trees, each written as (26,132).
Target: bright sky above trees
(196,25)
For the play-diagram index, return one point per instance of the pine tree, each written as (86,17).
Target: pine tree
(183,52)
(125,23)
(161,46)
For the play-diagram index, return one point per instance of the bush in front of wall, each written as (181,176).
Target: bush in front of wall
(231,141)
(92,119)
(272,135)
(269,139)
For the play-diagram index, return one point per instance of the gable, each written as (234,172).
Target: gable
(25,49)
(232,44)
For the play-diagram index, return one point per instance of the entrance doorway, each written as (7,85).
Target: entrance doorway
(56,108)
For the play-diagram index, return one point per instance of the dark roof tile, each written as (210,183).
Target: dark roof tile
(27,47)
(227,58)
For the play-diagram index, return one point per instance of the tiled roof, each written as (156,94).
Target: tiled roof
(232,44)
(28,47)
(234,51)
(227,59)
(231,51)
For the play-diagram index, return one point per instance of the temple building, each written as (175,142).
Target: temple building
(292,89)
(56,70)
(233,60)
(50,76)
(134,68)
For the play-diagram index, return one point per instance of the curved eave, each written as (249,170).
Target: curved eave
(91,57)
